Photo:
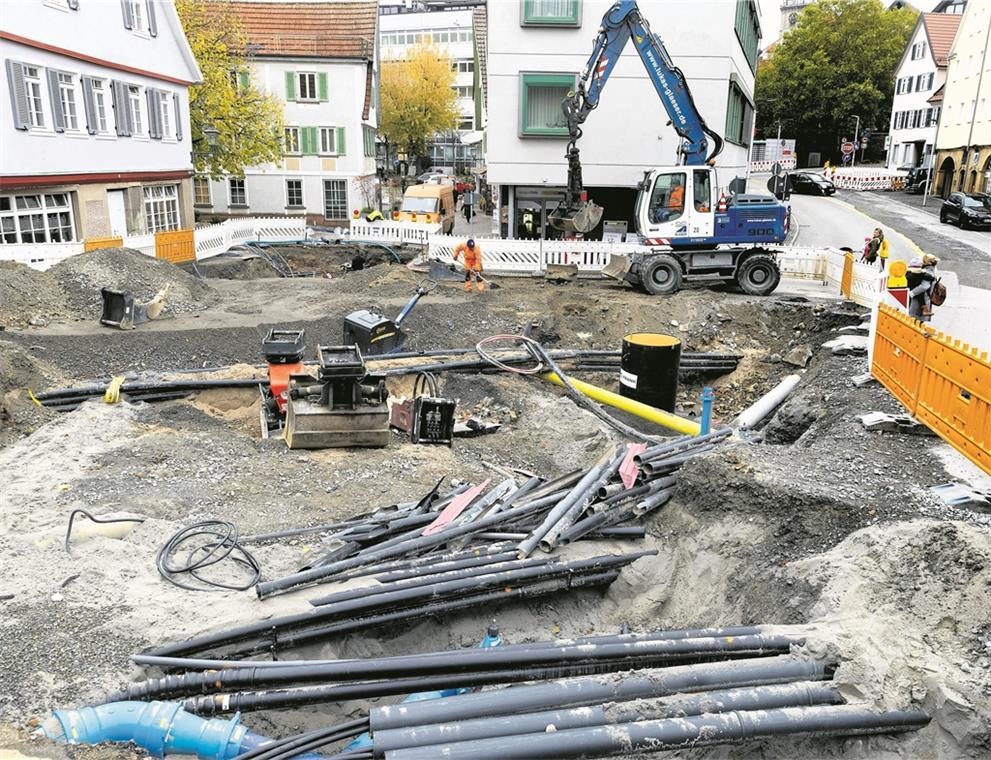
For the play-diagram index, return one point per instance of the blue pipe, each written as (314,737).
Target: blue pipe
(708,396)
(492,638)
(160,728)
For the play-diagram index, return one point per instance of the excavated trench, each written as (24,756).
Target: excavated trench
(820,525)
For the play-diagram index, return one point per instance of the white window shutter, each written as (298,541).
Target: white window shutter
(125,7)
(122,109)
(18,94)
(89,105)
(152,21)
(178,116)
(58,117)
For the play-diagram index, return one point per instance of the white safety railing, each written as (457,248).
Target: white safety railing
(396,232)
(39,255)
(803,262)
(866,178)
(214,239)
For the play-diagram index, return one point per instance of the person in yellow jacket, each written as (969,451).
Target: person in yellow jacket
(473,263)
(884,248)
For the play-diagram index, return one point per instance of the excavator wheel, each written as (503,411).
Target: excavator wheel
(661,276)
(758,275)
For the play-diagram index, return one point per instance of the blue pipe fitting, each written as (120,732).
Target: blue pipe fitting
(161,728)
(708,397)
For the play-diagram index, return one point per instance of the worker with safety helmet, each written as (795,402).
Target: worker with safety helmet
(473,263)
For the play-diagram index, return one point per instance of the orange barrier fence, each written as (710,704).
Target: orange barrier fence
(944,383)
(846,282)
(95,244)
(176,247)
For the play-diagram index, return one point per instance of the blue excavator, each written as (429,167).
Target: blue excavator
(695,229)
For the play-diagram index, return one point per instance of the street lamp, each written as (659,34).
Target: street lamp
(211,134)
(856,142)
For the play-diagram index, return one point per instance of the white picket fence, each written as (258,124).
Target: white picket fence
(787,163)
(531,257)
(394,232)
(214,239)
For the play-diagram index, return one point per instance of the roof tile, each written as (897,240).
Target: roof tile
(942,28)
(342,29)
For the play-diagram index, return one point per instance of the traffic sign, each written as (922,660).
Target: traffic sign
(847,148)
(776,169)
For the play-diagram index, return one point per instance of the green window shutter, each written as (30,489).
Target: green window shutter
(308,136)
(342,146)
(243,80)
(322,86)
(290,85)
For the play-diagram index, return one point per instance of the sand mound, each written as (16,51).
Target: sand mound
(27,294)
(84,275)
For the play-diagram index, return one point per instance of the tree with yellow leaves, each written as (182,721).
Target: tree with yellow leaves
(248,121)
(418,100)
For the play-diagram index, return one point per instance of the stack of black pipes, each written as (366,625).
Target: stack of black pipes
(613,695)
(415,560)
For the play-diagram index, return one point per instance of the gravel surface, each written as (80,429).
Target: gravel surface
(28,296)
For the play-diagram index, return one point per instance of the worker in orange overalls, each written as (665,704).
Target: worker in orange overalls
(473,264)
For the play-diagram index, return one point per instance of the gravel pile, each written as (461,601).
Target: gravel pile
(82,277)
(28,296)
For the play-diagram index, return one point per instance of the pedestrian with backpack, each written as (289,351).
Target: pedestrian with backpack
(883,247)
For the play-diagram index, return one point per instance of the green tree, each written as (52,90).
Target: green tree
(838,63)
(249,121)
(418,100)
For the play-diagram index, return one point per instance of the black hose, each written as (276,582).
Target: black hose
(72,517)
(213,552)
(277,750)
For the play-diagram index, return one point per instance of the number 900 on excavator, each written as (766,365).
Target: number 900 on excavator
(696,230)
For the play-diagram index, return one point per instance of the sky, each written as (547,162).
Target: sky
(770,17)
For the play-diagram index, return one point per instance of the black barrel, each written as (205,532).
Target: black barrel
(649,369)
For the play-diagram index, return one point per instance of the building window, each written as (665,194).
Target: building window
(918,50)
(134,101)
(32,88)
(161,208)
(551,13)
(36,218)
(748,30)
(67,100)
(463,67)
(368,139)
(137,14)
(464,91)
(466,124)
(201,191)
(164,120)
(238,192)
(739,116)
(294,193)
(291,141)
(328,141)
(932,117)
(335,198)
(306,86)
(100,104)
(540,104)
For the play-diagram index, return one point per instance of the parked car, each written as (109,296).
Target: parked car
(969,210)
(916,180)
(810,183)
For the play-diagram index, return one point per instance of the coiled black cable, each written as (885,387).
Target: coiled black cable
(206,554)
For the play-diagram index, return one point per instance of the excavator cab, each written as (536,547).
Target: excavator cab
(675,206)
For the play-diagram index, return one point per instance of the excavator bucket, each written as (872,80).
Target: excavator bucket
(580,220)
(617,268)
(121,310)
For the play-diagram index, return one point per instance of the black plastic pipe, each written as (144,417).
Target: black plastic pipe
(597,690)
(680,443)
(676,733)
(804,693)
(436,568)
(442,606)
(672,650)
(317,574)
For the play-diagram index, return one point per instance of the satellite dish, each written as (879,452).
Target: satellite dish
(472,138)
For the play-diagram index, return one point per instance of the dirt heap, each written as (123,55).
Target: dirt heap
(28,296)
(324,260)
(21,370)
(82,277)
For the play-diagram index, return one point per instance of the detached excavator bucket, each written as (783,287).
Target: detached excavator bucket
(121,310)
(583,219)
